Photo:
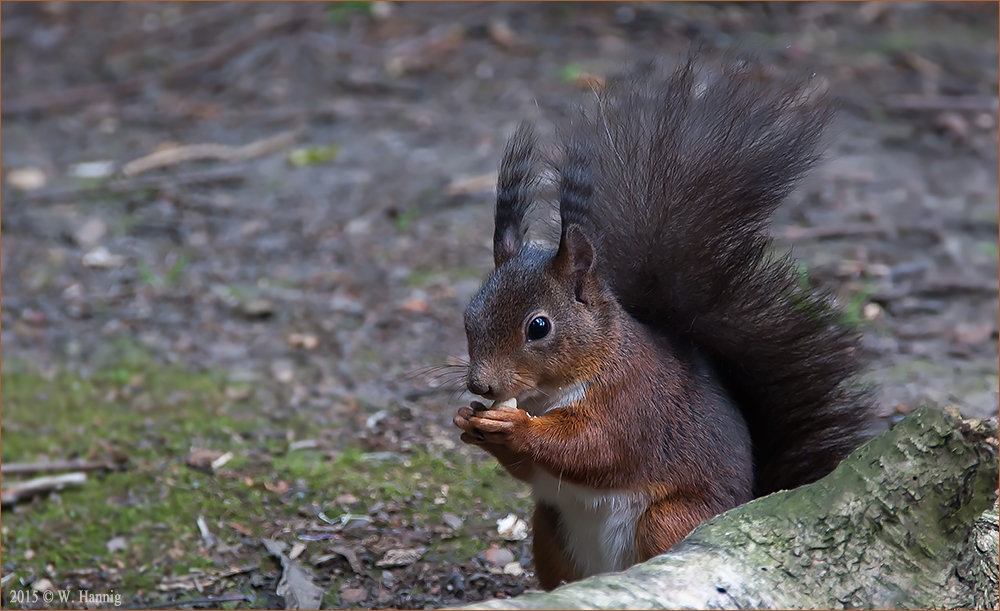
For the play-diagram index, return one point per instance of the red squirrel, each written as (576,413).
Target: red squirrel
(661,365)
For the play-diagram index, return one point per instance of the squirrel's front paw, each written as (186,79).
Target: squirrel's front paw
(469,433)
(504,426)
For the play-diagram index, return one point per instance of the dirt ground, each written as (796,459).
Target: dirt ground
(291,302)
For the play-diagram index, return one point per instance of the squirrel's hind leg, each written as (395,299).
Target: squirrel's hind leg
(665,523)
(553,564)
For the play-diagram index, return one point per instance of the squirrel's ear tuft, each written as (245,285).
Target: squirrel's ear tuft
(575,261)
(515,188)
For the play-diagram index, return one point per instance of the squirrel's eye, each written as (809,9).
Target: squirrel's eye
(538,328)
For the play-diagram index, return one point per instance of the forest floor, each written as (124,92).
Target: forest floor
(249,342)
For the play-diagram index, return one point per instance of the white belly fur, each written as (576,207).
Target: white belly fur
(598,526)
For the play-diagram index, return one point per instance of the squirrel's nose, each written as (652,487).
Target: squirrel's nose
(478,388)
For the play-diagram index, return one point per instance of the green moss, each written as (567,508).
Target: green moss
(571,71)
(155,416)
(853,314)
(338,12)
(313,155)
(405,219)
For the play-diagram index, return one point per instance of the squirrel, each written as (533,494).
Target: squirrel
(661,365)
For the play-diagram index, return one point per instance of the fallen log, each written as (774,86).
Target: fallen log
(909,520)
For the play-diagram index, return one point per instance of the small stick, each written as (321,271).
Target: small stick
(933,226)
(223,152)
(206,534)
(23,490)
(832,231)
(27,468)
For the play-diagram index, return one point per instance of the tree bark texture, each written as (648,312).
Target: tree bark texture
(908,520)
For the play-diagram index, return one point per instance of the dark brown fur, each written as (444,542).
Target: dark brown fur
(711,375)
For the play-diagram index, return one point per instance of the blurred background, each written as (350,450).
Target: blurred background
(238,240)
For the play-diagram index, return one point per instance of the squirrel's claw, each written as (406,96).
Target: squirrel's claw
(474,439)
(461,419)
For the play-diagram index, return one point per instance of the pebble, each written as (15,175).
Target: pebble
(26,179)
(498,556)
(353,596)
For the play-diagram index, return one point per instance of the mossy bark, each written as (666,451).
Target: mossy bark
(907,521)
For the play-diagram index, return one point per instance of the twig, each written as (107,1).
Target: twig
(222,152)
(187,179)
(206,534)
(54,466)
(238,570)
(795,233)
(23,490)
(75,96)
(932,226)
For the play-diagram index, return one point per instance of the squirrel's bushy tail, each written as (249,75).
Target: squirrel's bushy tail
(688,169)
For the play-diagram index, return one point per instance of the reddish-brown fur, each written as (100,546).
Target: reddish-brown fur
(552,565)
(684,371)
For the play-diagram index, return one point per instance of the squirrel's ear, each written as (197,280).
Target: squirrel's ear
(506,243)
(575,261)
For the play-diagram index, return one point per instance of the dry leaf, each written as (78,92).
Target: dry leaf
(243,530)
(415,305)
(102,258)
(512,528)
(116,544)
(513,568)
(201,458)
(502,34)
(589,80)
(90,232)
(280,488)
(452,520)
(296,585)
(973,334)
(237,394)
(303,340)
(346,499)
(400,557)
